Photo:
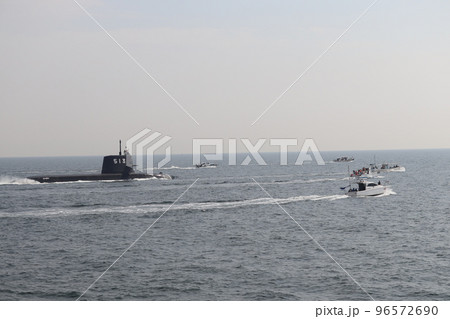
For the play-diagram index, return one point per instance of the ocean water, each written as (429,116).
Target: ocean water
(225,238)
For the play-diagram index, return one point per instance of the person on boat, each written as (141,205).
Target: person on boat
(379,183)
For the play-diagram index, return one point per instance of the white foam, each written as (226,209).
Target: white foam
(14,180)
(296,181)
(398,169)
(388,191)
(160,208)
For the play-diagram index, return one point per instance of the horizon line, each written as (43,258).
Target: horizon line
(242,153)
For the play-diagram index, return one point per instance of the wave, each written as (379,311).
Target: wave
(160,208)
(387,192)
(14,180)
(166,177)
(177,167)
(273,182)
(301,181)
(184,167)
(398,169)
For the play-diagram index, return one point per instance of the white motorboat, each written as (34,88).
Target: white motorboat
(390,168)
(203,164)
(343,159)
(367,188)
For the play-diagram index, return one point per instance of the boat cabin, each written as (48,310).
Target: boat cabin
(362,186)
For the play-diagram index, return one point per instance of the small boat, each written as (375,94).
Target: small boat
(161,175)
(391,168)
(344,159)
(367,188)
(385,167)
(203,164)
(365,172)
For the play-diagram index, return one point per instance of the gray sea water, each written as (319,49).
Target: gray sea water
(225,239)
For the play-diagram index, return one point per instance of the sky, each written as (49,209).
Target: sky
(67,88)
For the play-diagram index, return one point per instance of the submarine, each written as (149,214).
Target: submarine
(115,167)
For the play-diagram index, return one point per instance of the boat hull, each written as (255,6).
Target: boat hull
(374,191)
(92,177)
(394,169)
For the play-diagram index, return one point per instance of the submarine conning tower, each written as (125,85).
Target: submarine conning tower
(118,164)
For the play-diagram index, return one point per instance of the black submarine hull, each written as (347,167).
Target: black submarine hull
(94,177)
(114,168)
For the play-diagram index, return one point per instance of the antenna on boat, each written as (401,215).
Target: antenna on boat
(348,171)
(349,183)
(120,147)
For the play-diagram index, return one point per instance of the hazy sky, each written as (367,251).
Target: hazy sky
(67,89)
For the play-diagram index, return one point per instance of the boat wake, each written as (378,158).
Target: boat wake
(273,182)
(14,180)
(176,167)
(163,177)
(387,192)
(160,208)
(300,181)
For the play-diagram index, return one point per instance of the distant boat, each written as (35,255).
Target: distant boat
(115,167)
(385,167)
(391,168)
(365,172)
(343,159)
(205,165)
